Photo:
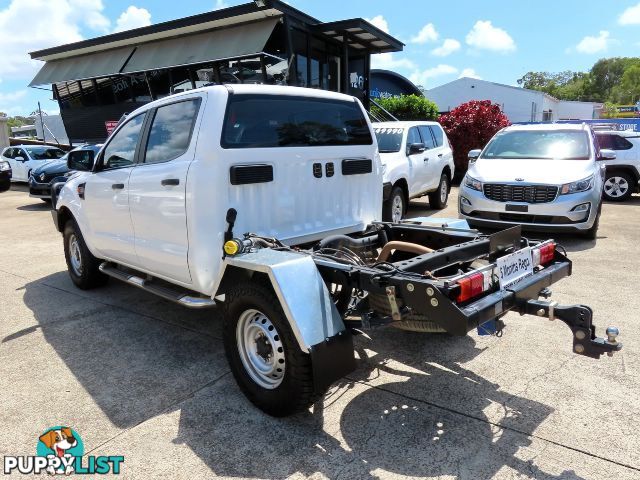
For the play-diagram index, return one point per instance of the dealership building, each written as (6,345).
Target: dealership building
(98,80)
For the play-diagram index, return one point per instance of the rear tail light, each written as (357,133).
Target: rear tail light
(543,253)
(473,285)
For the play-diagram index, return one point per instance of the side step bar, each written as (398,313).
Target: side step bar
(181,297)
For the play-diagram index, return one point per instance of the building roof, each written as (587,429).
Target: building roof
(360,31)
(503,85)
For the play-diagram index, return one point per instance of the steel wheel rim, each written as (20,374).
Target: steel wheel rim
(75,255)
(443,191)
(616,186)
(397,209)
(260,348)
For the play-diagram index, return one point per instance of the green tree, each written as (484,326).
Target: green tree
(606,75)
(630,84)
(407,107)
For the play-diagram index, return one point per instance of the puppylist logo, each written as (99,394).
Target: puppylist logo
(60,451)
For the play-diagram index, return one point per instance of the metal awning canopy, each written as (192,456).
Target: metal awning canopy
(94,65)
(220,44)
(360,35)
(230,42)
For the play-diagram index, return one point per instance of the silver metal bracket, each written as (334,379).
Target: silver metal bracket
(395,311)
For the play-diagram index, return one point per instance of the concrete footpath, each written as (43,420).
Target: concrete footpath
(140,377)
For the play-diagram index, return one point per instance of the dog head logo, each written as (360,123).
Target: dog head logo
(59,440)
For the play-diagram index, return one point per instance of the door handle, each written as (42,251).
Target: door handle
(439,155)
(117,186)
(170,182)
(426,159)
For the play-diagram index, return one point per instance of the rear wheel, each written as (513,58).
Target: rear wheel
(618,186)
(82,265)
(438,198)
(264,356)
(394,208)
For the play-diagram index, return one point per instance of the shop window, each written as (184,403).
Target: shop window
(547,116)
(105,91)
(121,89)
(159,83)
(300,49)
(89,97)
(180,80)
(139,88)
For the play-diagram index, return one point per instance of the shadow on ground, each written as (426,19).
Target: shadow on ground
(410,408)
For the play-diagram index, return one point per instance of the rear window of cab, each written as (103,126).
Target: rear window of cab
(267,121)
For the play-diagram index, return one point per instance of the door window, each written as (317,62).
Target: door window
(8,153)
(427,139)
(438,135)
(18,152)
(413,137)
(121,150)
(171,131)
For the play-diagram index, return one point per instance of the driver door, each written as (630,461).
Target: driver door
(416,164)
(20,167)
(107,194)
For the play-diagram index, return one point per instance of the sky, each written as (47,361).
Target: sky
(494,40)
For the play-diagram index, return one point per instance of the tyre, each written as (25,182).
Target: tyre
(82,265)
(394,208)
(618,186)
(592,233)
(264,356)
(412,322)
(438,198)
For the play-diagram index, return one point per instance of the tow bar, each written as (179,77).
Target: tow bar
(578,319)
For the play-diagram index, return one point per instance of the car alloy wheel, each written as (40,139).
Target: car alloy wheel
(615,187)
(260,348)
(444,191)
(397,209)
(75,255)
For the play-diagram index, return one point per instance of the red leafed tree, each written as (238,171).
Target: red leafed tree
(471,125)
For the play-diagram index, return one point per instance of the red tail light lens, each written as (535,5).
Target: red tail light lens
(547,252)
(470,287)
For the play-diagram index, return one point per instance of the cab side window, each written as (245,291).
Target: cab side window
(121,150)
(171,131)
(426,137)
(438,134)
(413,137)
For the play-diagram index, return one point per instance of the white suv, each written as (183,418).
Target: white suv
(623,173)
(416,160)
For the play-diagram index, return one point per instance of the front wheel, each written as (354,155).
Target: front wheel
(438,199)
(264,356)
(617,186)
(394,208)
(82,265)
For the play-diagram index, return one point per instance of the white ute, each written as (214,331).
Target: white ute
(417,160)
(268,199)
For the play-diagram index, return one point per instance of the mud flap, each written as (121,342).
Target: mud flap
(331,360)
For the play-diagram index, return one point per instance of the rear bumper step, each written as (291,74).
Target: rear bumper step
(182,297)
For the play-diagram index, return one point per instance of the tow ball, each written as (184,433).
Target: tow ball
(579,319)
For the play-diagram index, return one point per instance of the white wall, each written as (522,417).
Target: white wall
(576,110)
(519,104)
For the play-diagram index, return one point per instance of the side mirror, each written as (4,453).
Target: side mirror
(606,154)
(414,148)
(474,154)
(80,160)
(19,159)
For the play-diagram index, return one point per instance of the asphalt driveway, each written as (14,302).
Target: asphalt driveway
(137,376)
